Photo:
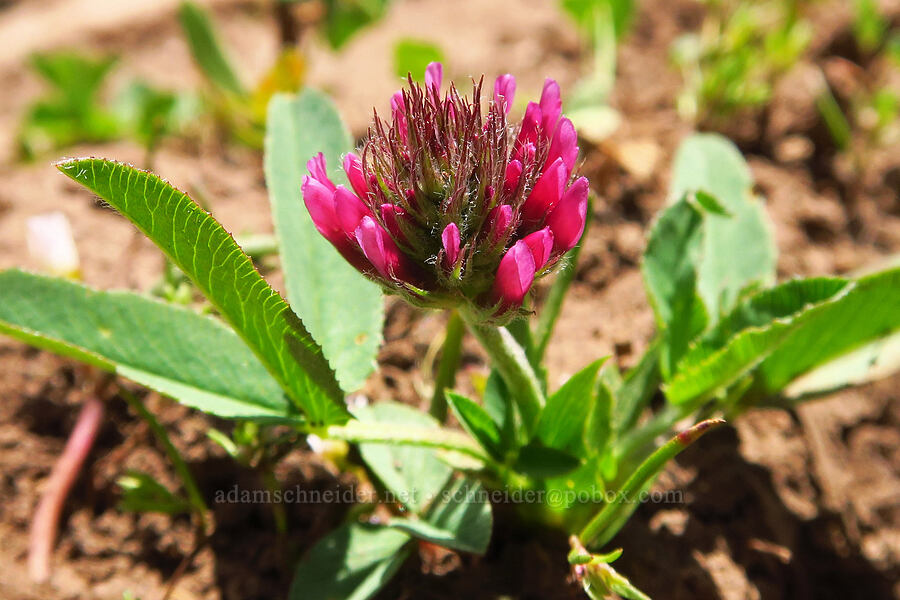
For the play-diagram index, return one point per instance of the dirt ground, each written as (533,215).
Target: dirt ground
(779,505)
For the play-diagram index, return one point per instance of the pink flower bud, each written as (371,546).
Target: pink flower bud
(568,218)
(540,243)
(511,180)
(349,209)
(434,77)
(380,249)
(319,171)
(514,275)
(319,202)
(450,241)
(564,144)
(505,91)
(353,169)
(531,123)
(500,220)
(546,193)
(551,107)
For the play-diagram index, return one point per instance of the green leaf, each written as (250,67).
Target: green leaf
(195,359)
(637,389)
(598,429)
(669,267)
(573,497)
(540,462)
(206,49)
(563,420)
(460,518)
(478,423)
(749,334)
(500,407)
(413,475)
(200,247)
(342,309)
(737,250)
(869,311)
(352,562)
(411,56)
(602,581)
(872,361)
(142,493)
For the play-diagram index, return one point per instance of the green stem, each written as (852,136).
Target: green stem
(360,432)
(187,480)
(629,493)
(557,294)
(511,362)
(446,375)
(278,512)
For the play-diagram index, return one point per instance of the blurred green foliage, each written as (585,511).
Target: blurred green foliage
(71,111)
(871,116)
(238,109)
(411,56)
(733,62)
(344,18)
(869,26)
(583,12)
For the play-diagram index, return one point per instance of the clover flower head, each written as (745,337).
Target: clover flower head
(449,204)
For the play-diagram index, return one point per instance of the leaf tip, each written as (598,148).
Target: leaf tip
(692,434)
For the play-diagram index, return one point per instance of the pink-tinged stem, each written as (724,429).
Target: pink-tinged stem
(46,518)
(607,522)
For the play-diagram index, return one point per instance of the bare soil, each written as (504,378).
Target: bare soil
(782,504)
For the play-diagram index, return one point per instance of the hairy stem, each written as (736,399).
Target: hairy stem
(360,432)
(65,471)
(511,362)
(596,530)
(446,375)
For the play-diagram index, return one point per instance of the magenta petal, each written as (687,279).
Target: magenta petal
(568,218)
(514,275)
(434,76)
(541,245)
(531,122)
(319,202)
(564,144)
(505,91)
(349,209)
(450,240)
(319,170)
(378,247)
(513,173)
(353,169)
(551,107)
(546,193)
